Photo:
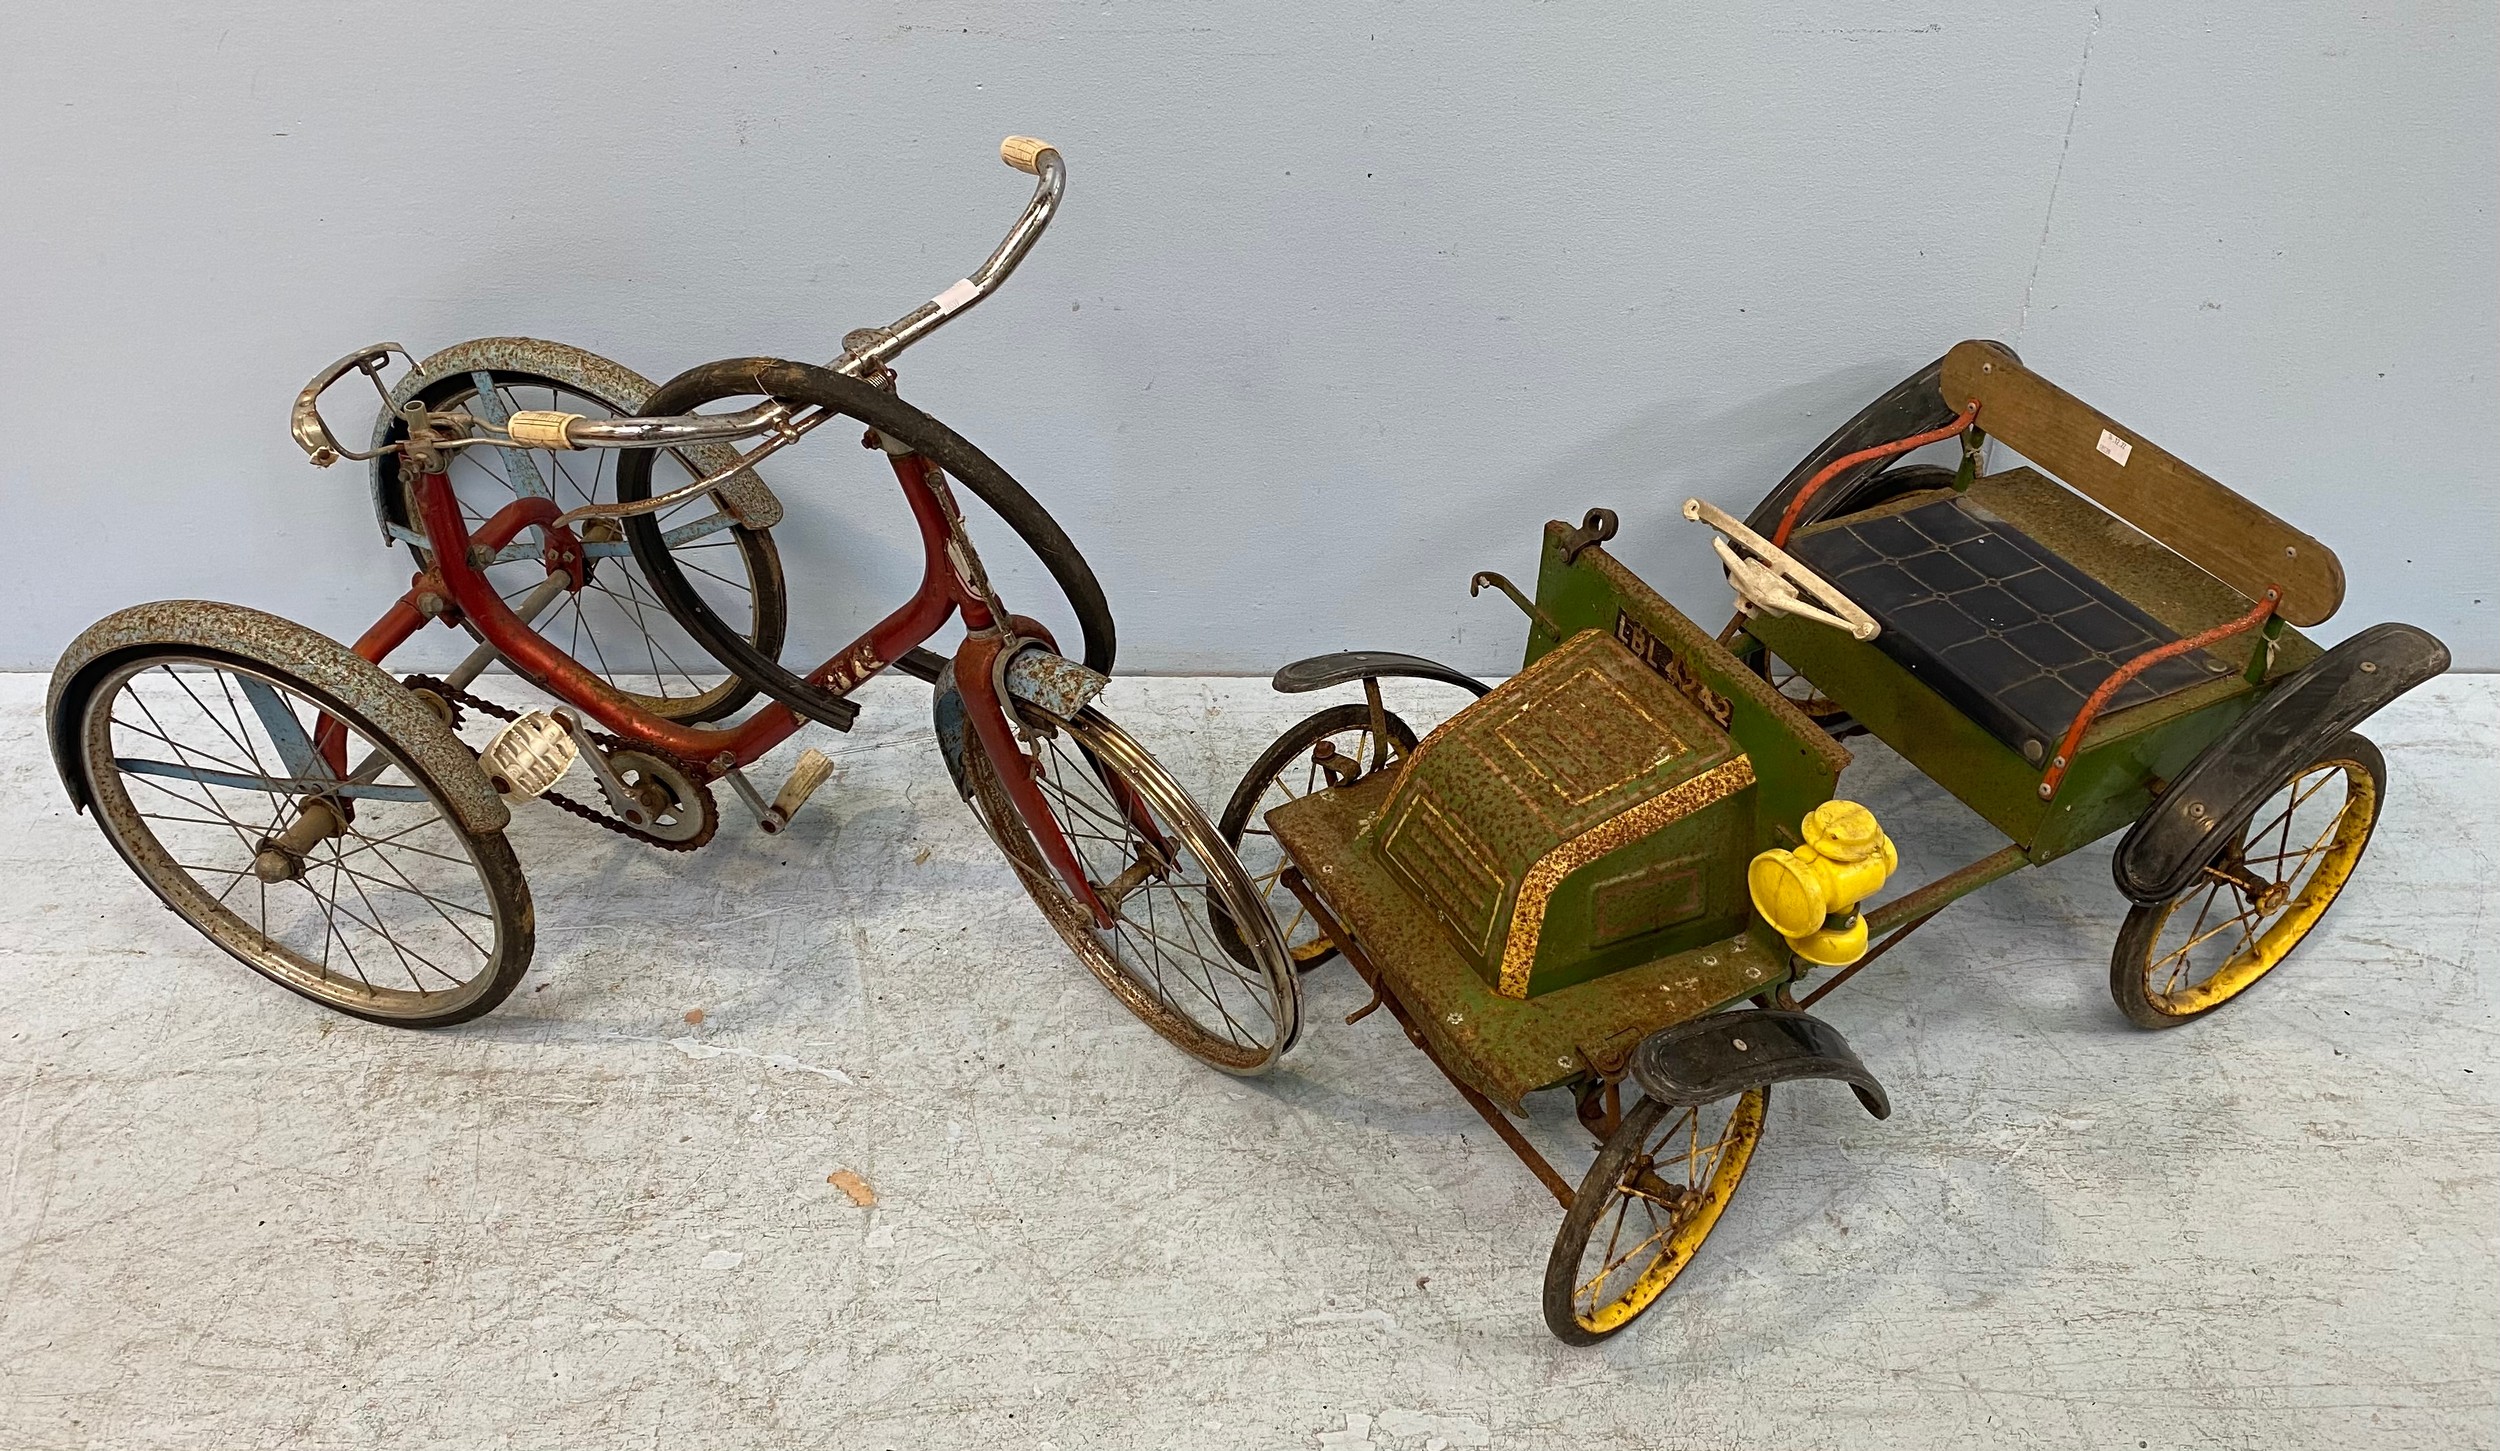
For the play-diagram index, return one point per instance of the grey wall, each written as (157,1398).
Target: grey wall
(1346,299)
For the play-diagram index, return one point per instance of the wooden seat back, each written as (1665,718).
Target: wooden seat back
(2227,536)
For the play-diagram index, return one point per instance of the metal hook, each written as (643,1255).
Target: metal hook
(1543,621)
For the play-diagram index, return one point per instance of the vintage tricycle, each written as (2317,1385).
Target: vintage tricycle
(1624,861)
(320,819)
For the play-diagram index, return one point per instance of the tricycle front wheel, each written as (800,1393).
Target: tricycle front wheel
(2181,959)
(1657,1188)
(1178,899)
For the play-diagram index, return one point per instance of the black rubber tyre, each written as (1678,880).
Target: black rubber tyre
(390,861)
(758,559)
(804,385)
(1243,829)
(2162,986)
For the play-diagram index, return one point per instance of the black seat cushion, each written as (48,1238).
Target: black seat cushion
(2014,636)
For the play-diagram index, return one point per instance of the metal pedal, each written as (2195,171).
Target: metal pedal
(813,770)
(529,756)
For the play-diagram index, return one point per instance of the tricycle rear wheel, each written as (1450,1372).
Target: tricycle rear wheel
(1658,1187)
(377,900)
(2178,960)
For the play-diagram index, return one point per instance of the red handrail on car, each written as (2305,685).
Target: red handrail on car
(1797,505)
(2092,704)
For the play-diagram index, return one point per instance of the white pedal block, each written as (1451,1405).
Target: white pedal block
(527,757)
(812,771)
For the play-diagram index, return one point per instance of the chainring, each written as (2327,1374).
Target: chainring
(456,698)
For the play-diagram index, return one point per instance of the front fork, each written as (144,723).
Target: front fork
(991,639)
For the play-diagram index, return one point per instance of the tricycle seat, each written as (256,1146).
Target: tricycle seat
(2013,635)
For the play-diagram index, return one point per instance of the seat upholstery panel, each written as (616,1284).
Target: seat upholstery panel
(1992,620)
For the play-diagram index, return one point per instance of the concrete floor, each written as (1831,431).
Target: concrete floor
(230,1219)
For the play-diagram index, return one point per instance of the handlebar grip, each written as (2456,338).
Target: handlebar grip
(540,428)
(1024,153)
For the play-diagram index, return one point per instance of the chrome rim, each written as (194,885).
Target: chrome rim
(188,762)
(1162,954)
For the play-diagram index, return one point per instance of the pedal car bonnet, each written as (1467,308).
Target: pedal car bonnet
(1583,817)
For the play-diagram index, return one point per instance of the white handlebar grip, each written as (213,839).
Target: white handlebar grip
(540,428)
(1024,153)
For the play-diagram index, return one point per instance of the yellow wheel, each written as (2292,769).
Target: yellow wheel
(2181,959)
(1658,1186)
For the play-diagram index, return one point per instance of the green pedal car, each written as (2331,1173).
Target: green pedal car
(1622,872)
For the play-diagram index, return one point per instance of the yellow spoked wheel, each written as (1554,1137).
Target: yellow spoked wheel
(1657,1188)
(2181,959)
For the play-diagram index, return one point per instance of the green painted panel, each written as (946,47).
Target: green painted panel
(1796,766)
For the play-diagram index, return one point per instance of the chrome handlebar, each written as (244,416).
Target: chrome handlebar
(868,350)
(865,354)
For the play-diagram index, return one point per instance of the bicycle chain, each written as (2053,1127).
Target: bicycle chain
(456,698)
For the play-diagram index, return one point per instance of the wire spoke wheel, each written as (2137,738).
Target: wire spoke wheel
(1335,747)
(1658,1186)
(1171,886)
(1801,692)
(617,624)
(367,895)
(2181,959)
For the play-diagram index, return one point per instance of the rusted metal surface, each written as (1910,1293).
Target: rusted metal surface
(1536,617)
(1960,882)
(1052,681)
(1853,969)
(1596,527)
(314,658)
(1796,764)
(1382,996)
(1914,909)
(1583,781)
(743,493)
(1504,1048)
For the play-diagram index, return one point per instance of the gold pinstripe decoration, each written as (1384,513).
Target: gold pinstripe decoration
(1527,918)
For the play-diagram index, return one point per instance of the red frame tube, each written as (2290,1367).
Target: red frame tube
(1848,461)
(2100,697)
(708,752)
(944,592)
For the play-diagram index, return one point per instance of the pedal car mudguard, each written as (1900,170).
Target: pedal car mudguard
(1712,1057)
(1321,671)
(2213,798)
